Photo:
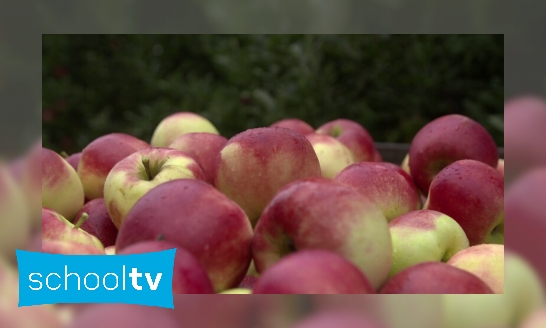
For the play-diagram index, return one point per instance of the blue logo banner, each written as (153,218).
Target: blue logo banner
(142,279)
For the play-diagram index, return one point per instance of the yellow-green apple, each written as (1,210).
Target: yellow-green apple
(124,315)
(98,223)
(472,193)
(69,247)
(15,224)
(523,295)
(525,213)
(256,163)
(338,318)
(178,124)
(393,192)
(138,173)
(295,124)
(325,214)
(535,320)
(238,290)
(100,156)
(110,250)
(424,236)
(445,140)
(56,227)
(203,147)
(333,156)
(524,122)
(189,276)
(434,278)
(354,136)
(485,261)
(194,215)
(62,189)
(313,271)
(500,166)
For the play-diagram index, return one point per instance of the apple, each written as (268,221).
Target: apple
(56,227)
(338,318)
(203,147)
(485,261)
(100,156)
(389,189)
(98,223)
(194,215)
(62,189)
(256,163)
(445,140)
(74,160)
(178,124)
(500,166)
(424,236)
(434,278)
(138,173)
(472,193)
(377,157)
(536,320)
(124,315)
(15,220)
(238,290)
(354,136)
(325,214)
(248,282)
(295,124)
(189,276)
(405,164)
(69,247)
(110,250)
(333,156)
(524,122)
(525,208)
(313,271)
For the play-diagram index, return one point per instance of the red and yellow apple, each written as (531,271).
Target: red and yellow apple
(295,124)
(354,136)
(333,156)
(98,223)
(177,124)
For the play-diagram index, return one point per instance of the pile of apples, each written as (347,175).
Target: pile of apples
(288,209)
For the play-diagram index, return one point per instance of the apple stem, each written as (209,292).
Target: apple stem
(160,237)
(146,163)
(81,220)
(63,154)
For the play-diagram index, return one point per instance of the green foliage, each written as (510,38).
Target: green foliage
(391,84)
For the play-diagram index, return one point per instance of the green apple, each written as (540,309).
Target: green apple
(424,236)
(333,155)
(178,124)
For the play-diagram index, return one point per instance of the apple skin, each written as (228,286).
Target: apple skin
(295,124)
(354,136)
(62,189)
(424,236)
(313,271)
(248,282)
(189,276)
(69,247)
(525,208)
(15,220)
(472,193)
(333,156)
(194,215)
(445,140)
(203,147)
(536,320)
(392,191)
(434,278)
(99,223)
(256,163)
(325,214)
(56,227)
(177,124)
(128,181)
(338,318)
(74,160)
(485,261)
(124,315)
(100,156)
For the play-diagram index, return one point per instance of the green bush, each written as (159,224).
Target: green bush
(391,84)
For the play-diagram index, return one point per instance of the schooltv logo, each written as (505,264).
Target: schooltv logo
(142,279)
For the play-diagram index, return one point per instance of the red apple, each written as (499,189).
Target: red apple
(295,124)
(256,163)
(189,276)
(338,318)
(333,156)
(99,223)
(472,193)
(445,140)
(62,189)
(100,156)
(74,160)
(354,136)
(325,214)
(177,124)
(434,278)
(203,147)
(393,192)
(194,215)
(313,271)
(69,247)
